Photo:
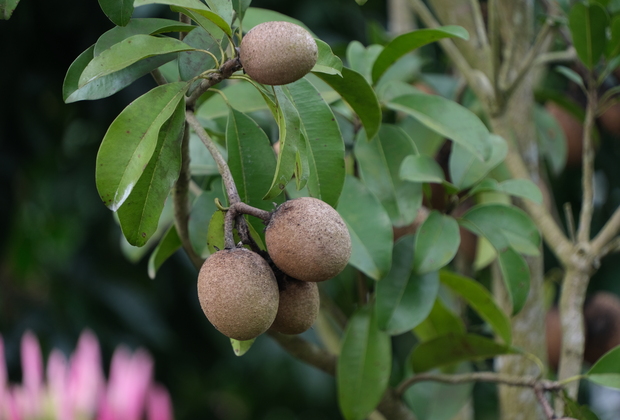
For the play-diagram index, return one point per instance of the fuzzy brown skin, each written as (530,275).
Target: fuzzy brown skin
(299,307)
(308,240)
(277,53)
(238,293)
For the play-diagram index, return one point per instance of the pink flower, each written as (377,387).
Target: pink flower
(158,404)
(85,380)
(32,371)
(3,378)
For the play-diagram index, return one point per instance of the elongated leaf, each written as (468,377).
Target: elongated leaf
(139,214)
(421,168)
(224,8)
(327,61)
(212,17)
(504,226)
(193,63)
(356,91)
(523,188)
(453,348)
(606,371)
(613,45)
(571,75)
(168,245)
(370,229)
(118,11)
(364,366)
(405,43)
(144,26)
(207,24)
(289,124)
(404,299)
(361,59)
(440,321)
(255,16)
(466,168)
(551,139)
(191,4)
(7,7)
(573,409)
(516,276)
(251,161)
(326,147)
(130,141)
(587,24)
(448,119)
(200,216)
(481,301)
(242,96)
(436,243)
(379,162)
(127,52)
(240,6)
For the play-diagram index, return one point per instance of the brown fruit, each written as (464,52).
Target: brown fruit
(278,53)
(299,307)
(610,119)
(238,293)
(308,240)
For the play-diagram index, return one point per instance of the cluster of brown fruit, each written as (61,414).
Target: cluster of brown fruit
(308,241)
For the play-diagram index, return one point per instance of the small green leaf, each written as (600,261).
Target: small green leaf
(573,409)
(421,168)
(215,235)
(523,188)
(551,139)
(436,243)
(168,245)
(200,216)
(193,63)
(325,153)
(571,75)
(7,7)
(440,321)
(127,52)
(587,24)
(241,347)
(606,371)
(130,141)
(466,168)
(356,91)
(289,125)
(139,214)
(516,276)
(240,6)
(118,11)
(242,96)
(379,161)
(449,119)
(370,229)
(405,43)
(404,299)
(613,45)
(481,301)
(364,365)
(361,59)
(327,62)
(454,348)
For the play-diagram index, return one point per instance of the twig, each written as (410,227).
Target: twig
(481,30)
(159,77)
(181,202)
(570,54)
(607,233)
(224,72)
(570,221)
(544,403)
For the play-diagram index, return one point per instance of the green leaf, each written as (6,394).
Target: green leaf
(118,11)
(523,188)
(613,45)
(193,63)
(481,301)
(405,43)
(587,24)
(364,366)
(327,62)
(200,216)
(516,276)
(379,161)
(215,235)
(326,148)
(240,6)
(255,16)
(356,91)
(224,8)
(440,321)
(196,10)
(504,226)
(370,229)
(241,347)
(449,119)
(421,168)
(7,7)
(242,96)
(571,75)
(454,348)
(606,371)
(139,213)
(436,243)
(551,139)
(404,299)
(361,59)
(168,245)
(573,409)
(130,141)
(466,168)
(251,161)
(144,26)
(127,52)
(289,124)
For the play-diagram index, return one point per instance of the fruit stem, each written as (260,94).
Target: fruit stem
(224,72)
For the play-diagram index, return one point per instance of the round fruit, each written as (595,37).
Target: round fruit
(238,293)
(602,319)
(299,307)
(308,240)
(277,53)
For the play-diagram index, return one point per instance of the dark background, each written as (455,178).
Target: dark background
(61,267)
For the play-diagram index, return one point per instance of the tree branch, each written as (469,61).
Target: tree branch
(224,72)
